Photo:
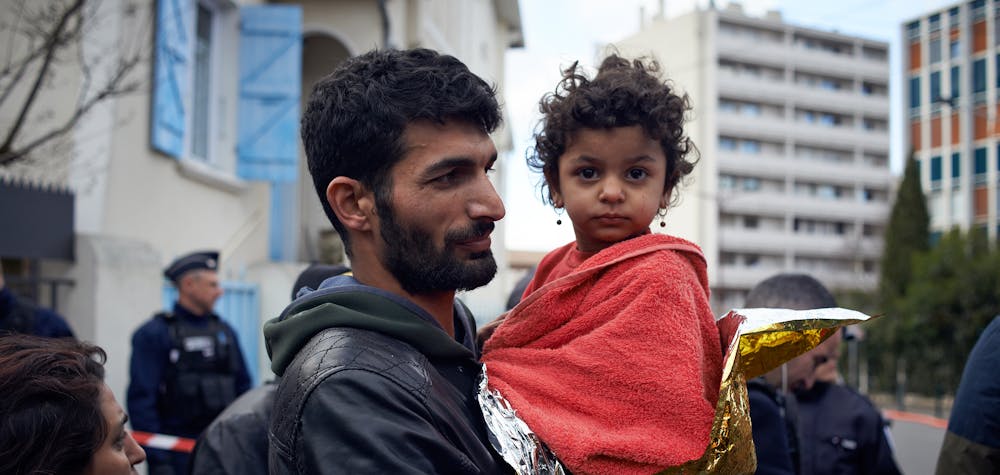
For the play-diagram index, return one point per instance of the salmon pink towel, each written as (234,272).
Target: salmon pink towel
(616,366)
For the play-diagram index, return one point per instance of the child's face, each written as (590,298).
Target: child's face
(611,182)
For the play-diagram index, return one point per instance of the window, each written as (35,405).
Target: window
(751,184)
(750,146)
(978,9)
(979,166)
(996,27)
(750,222)
(955,47)
(934,50)
(979,76)
(935,86)
(726,182)
(913,29)
(956,167)
(915,92)
(998,68)
(935,172)
(202,85)
(955,83)
(727,143)
(934,22)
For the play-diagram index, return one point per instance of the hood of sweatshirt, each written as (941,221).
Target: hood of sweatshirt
(342,301)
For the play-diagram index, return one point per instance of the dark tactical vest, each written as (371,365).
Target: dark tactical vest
(200,377)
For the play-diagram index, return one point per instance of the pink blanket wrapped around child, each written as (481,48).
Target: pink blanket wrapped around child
(616,367)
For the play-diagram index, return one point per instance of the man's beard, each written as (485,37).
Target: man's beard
(411,257)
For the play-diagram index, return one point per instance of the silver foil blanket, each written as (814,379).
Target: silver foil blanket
(512,438)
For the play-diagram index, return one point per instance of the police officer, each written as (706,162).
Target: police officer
(186,364)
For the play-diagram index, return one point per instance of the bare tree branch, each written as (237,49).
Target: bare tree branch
(116,86)
(49,32)
(52,46)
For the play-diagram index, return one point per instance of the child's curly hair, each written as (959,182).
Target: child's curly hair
(622,94)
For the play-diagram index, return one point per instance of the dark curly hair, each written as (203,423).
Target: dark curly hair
(49,404)
(622,94)
(353,125)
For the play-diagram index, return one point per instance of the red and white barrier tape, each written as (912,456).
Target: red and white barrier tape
(150,440)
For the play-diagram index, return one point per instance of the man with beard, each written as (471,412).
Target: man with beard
(379,368)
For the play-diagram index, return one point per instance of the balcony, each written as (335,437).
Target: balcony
(772,203)
(824,62)
(762,127)
(846,102)
(779,242)
(822,135)
(737,277)
(751,87)
(743,49)
(760,166)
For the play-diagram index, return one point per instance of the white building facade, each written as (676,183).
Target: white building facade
(793,129)
(206,154)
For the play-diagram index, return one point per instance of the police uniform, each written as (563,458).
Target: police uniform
(185,369)
(843,433)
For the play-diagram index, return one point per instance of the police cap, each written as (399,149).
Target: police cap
(204,260)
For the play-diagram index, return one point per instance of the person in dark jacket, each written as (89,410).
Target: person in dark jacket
(20,316)
(772,405)
(972,443)
(186,365)
(379,370)
(841,432)
(235,443)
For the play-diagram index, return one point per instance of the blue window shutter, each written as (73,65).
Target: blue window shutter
(170,77)
(270,76)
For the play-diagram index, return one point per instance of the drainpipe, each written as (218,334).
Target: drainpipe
(384,12)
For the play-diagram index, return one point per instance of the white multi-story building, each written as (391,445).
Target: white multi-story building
(793,128)
(204,154)
(951,111)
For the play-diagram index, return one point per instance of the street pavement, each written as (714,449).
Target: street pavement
(917,444)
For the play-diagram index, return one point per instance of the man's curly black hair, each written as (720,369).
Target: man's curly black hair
(354,122)
(623,93)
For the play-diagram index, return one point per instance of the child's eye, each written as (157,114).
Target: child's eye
(637,174)
(587,173)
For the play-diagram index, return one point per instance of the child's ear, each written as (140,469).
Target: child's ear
(557,200)
(665,199)
(351,202)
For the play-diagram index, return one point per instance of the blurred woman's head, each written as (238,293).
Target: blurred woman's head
(58,415)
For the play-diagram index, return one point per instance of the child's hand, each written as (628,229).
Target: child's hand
(487,331)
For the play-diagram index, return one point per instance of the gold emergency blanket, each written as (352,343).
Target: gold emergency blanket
(756,341)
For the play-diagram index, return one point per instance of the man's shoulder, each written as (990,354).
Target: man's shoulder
(156,324)
(339,349)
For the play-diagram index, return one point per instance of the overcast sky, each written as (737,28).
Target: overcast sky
(558,32)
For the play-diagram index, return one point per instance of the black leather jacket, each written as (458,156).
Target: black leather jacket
(396,395)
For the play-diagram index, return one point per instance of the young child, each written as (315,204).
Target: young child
(613,358)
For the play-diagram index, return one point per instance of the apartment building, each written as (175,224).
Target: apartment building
(951,57)
(793,128)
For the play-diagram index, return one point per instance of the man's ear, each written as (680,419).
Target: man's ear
(353,204)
